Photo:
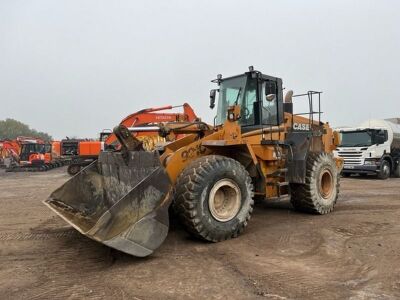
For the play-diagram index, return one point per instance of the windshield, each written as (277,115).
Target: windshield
(28,149)
(356,138)
(238,90)
(47,148)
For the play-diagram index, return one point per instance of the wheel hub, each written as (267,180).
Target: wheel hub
(326,184)
(386,169)
(224,200)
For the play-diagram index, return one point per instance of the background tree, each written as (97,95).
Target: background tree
(10,129)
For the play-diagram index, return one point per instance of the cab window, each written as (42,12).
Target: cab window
(241,91)
(269,108)
(247,105)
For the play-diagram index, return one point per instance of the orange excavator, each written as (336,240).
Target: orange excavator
(28,154)
(9,152)
(88,151)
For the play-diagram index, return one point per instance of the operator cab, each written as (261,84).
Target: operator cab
(259,96)
(27,149)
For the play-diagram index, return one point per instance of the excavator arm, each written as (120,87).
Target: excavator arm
(153,115)
(90,150)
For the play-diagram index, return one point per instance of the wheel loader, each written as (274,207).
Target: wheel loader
(257,148)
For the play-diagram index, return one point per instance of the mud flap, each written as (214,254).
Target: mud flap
(121,200)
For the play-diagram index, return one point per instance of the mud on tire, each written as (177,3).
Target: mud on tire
(321,190)
(214,198)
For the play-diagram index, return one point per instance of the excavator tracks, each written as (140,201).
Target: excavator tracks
(39,167)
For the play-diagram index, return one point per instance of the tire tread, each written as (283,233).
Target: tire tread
(188,186)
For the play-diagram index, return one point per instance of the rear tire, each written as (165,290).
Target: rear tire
(321,190)
(396,171)
(214,198)
(384,171)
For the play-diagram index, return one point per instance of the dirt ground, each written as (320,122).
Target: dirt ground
(353,253)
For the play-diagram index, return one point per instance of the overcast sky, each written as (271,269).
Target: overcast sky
(76,67)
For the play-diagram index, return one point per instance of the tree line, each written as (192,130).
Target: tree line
(11,129)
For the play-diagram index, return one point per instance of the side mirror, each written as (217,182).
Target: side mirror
(270,97)
(382,136)
(212,98)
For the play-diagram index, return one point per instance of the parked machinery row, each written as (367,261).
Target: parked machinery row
(31,154)
(27,154)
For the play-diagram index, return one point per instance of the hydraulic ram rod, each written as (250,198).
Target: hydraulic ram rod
(144,129)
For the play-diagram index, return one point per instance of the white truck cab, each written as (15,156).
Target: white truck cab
(371,148)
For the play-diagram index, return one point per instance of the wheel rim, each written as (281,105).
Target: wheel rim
(385,169)
(224,200)
(326,184)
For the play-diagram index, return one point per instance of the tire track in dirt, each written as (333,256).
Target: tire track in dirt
(28,236)
(354,209)
(284,240)
(327,249)
(251,283)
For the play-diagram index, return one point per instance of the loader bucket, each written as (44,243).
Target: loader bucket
(120,200)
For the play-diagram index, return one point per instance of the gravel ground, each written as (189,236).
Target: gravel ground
(353,253)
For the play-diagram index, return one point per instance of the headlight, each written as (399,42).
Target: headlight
(370,162)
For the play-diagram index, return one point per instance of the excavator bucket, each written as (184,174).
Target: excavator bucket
(120,200)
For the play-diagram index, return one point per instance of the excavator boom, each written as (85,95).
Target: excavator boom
(154,116)
(88,151)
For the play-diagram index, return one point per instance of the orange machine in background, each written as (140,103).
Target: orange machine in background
(88,151)
(24,151)
(29,154)
(90,148)
(153,116)
(56,149)
(9,152)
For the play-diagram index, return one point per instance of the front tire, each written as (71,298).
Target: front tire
(214,198)
(320,192)
(384,171)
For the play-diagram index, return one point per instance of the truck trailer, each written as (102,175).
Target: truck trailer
(373,148)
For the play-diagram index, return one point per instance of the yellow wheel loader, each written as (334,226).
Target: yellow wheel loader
(256,149)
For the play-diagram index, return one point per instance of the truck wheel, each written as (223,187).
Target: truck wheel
(214,198)
(346,174)
(73,169)
(321,190)
(396,172)
(384,171)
